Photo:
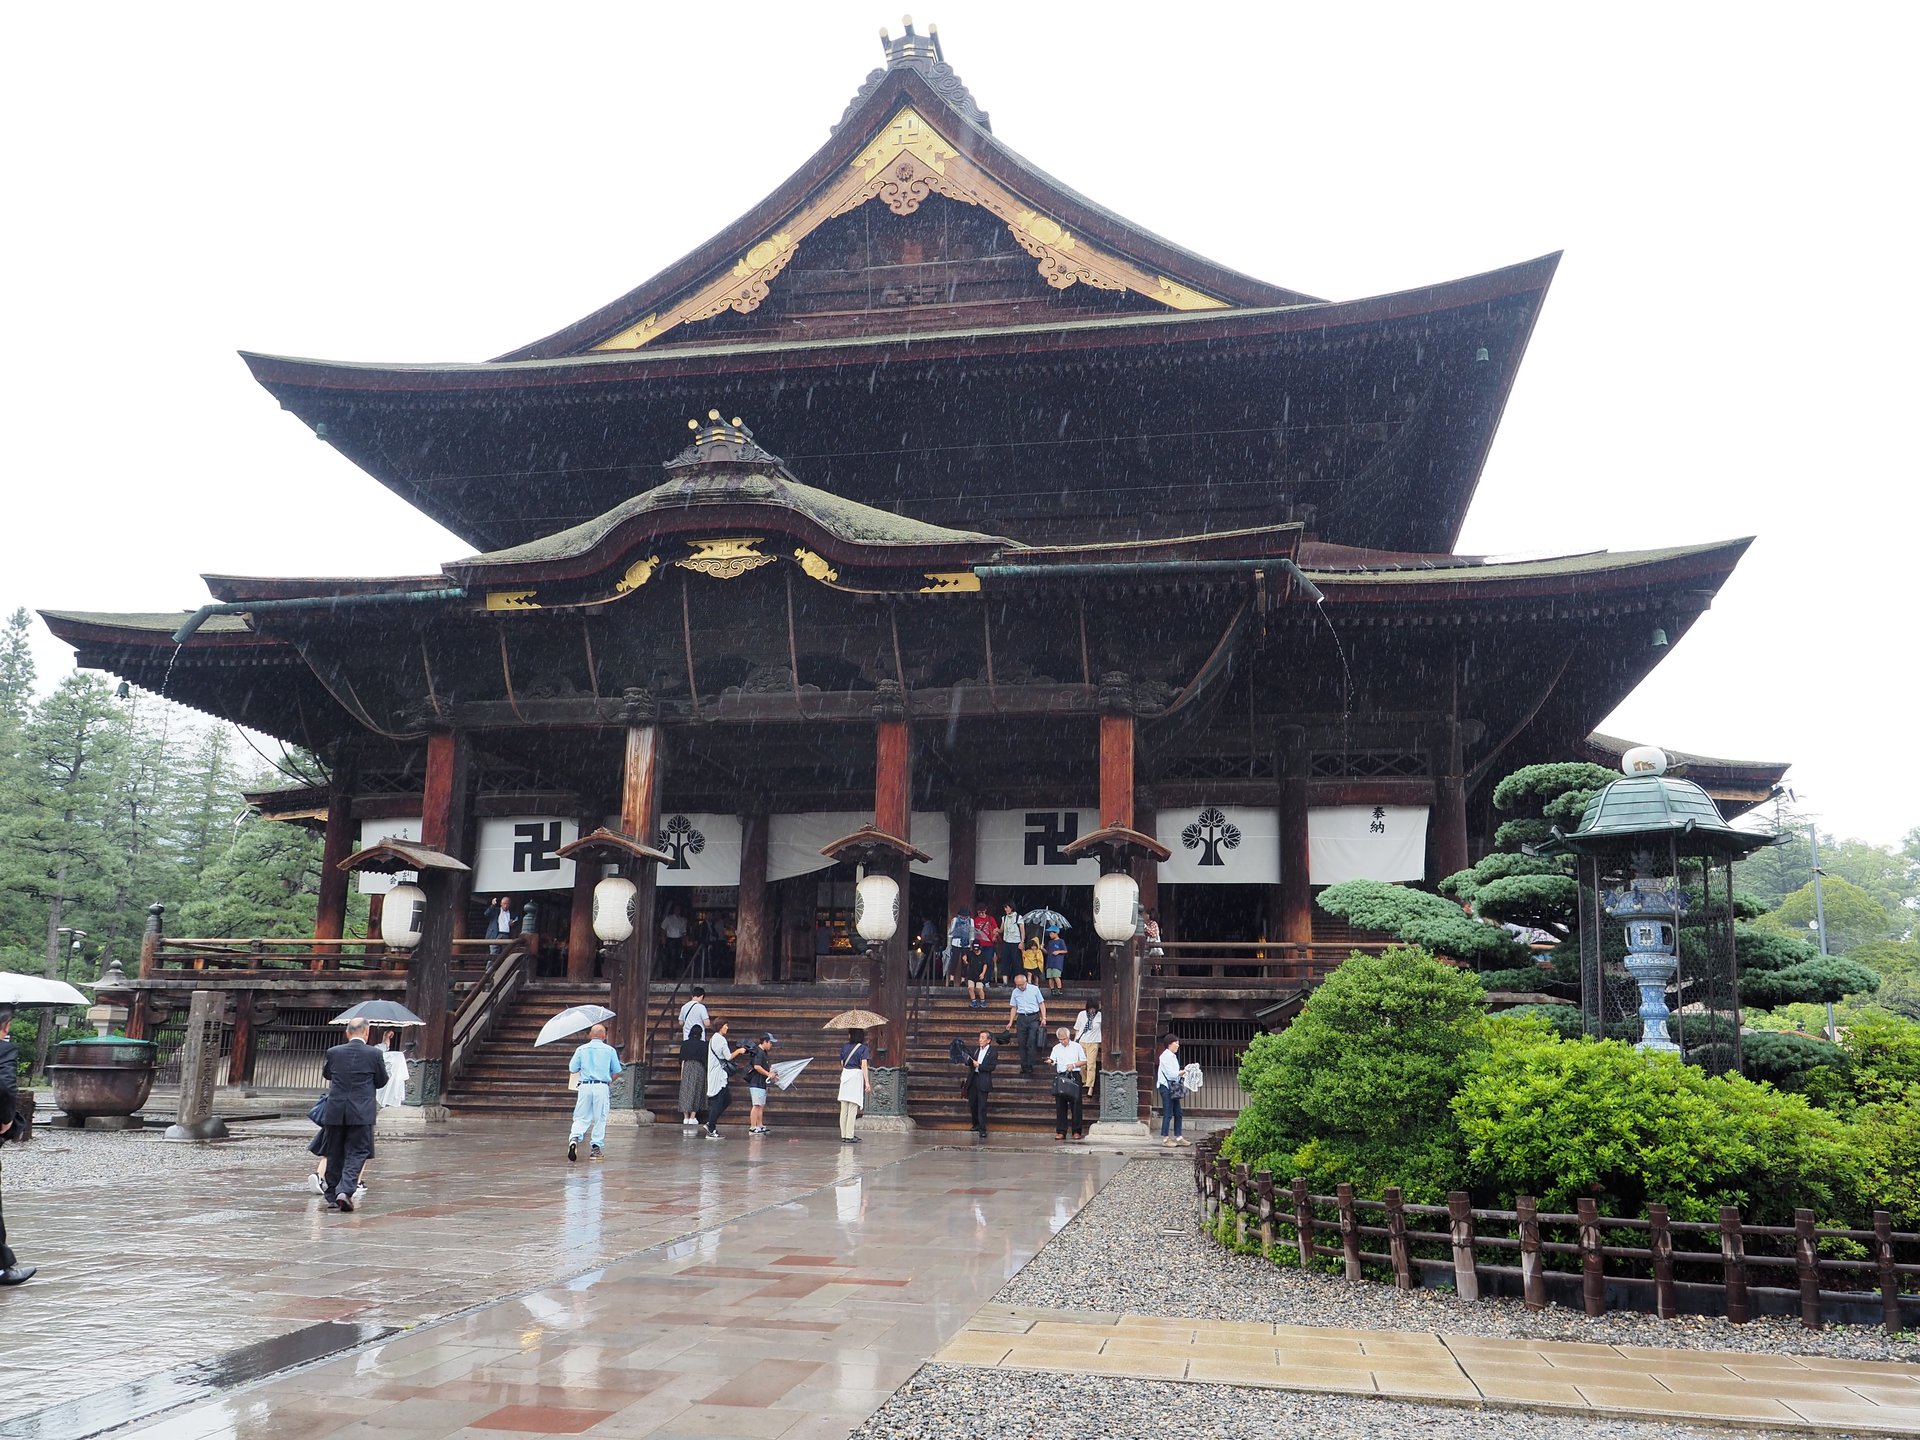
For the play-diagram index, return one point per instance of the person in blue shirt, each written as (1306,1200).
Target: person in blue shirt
(596,1063)
(1027,1017)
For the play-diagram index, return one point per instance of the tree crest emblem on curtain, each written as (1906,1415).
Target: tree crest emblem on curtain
(1210,833)
(679,839)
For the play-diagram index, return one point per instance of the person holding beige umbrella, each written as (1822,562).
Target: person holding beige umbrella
(856,1078)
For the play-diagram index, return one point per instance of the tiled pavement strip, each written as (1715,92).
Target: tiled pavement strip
(1784,1391)
(776,1287)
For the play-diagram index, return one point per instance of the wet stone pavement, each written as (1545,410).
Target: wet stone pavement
(635,1307)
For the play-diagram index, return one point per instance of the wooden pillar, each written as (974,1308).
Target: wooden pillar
(893,814)
(240,1051)
(631,977)
(443,827)
(583,946)
(1116,769)
(1296,875)
(963,853)
(753,919)
(1447,834)
(330,918)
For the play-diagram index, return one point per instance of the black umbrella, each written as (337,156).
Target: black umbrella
(378,1012)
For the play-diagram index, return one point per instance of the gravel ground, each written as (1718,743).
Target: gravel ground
(948,1402)
(60,1159)
(1149,1208)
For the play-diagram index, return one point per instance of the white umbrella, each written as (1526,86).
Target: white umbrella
(785,1072)
(1193,1078)
(572,1021)
(37,990)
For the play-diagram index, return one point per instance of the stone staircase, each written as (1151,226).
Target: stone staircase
(509,1077)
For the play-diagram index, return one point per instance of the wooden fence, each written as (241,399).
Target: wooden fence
(1607,1262)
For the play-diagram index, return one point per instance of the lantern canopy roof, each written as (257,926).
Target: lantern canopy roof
(1637,811)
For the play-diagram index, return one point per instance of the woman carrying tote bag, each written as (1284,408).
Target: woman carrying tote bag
(855,1083)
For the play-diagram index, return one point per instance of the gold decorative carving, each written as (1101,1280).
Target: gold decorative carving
(726,559)
(907,161)
(637,575)
(950,582)
(815,565)
(511,600)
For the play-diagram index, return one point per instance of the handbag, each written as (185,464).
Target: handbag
(1066,1083)
(319,1109)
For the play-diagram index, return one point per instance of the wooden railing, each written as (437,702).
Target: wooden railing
(479,1005)
(1825,1278)
(269,956)
(1269,962)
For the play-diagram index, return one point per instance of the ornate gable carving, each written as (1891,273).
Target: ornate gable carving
(908,160)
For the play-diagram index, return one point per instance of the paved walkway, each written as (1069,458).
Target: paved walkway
(779,1286)
(1784,1391)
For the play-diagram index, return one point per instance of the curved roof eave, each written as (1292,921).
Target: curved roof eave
(1204,327)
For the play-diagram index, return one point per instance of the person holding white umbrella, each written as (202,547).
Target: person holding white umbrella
(12,1272)
(596,1063)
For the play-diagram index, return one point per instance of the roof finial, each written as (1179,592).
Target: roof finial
(717,438)
(912,48)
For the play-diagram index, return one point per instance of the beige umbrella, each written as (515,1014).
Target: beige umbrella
(855,1020)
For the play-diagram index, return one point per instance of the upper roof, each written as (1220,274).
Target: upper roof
(937,327)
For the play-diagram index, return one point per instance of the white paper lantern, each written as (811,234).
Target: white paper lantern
(1644,760)
(876,908)
(1115,899)
(403,917)
(613,909)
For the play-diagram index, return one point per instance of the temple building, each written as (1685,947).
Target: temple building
(929,520)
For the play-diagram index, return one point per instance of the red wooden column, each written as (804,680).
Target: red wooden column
(1296,876)
(1447,835)
(583,947)
(631,977)
(963,854)
(241,1049)
(330,919)
(753,919)
(443,827)
(892,815)
(1120,975)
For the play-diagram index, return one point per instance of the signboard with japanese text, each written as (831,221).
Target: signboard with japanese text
(794,841)
(372,832)
(1367,842)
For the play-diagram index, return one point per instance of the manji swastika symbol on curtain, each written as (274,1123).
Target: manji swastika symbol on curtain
(533,847)
(1047,831)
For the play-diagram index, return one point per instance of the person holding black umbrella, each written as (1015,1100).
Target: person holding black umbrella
(355,1071)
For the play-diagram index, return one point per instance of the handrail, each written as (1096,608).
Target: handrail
(476,1010)
(653,1029)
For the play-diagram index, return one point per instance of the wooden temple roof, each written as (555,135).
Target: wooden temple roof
(937,327)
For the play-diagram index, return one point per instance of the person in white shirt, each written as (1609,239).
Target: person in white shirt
(694,1012)
(1086,1029)
(721,1053)
(1069,1096)
(694,1021)
(1172,1090)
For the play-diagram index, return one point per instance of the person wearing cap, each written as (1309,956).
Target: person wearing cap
(758,1064)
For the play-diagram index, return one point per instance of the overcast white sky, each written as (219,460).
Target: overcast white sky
(1728,349)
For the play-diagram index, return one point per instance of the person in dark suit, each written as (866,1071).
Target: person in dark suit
(981,1064)
(12,1272)
(355,1071)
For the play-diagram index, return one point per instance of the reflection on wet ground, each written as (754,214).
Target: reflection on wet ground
(843,1270)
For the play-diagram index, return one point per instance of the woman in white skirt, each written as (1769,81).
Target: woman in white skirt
(855,1083)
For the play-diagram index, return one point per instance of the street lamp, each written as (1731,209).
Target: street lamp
(73,950)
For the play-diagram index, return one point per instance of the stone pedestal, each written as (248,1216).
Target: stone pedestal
(1119,1109)
(886,1112)
(112,1122)
(408,1119)
(627,1095)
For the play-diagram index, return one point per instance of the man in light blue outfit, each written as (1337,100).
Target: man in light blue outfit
(596,1063)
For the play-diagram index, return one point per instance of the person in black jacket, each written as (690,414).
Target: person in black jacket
(356,1070)
(12,1272)
(981,1063)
